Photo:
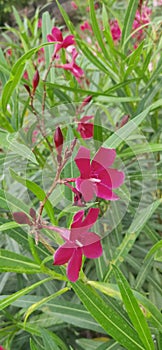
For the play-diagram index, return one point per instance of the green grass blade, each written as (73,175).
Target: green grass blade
(135,313)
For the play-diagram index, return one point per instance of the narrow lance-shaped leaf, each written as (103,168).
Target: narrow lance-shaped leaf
(107,317)
(128,21)
(135,313)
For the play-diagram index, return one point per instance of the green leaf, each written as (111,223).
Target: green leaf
(153,250)
(33,346)
(134,311)
(107,317)
(41,302)
(142,148)
(121,135)
(15,76)
(37,190)
(13,262)
(96,29)
(135,228)
(9,300)
(48,341)
(151,312)
(9,226)
(9,202)
(128,22)
(46,29)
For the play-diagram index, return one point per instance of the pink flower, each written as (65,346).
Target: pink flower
(74,5)
(41,57)
(85,128)
(142,17)
(78,241)
(61,43)
(115,30)
(86,26)
(97,178)
(73,67)
(9,52)
(25,75)
(40,23)
(1,348)
(157,2)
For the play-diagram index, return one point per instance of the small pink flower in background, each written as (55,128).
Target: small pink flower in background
(9,52)
(73,67)
(74,5)
(40,23)
(56,36)
(142,17)
(1,348)
(25,75)
(78,241)
(115,30)
(157,2)
(41,58)
(85,128)
(86,26)
(96,177)
(34,136)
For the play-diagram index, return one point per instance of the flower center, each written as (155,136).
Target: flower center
(93,179)
(79,243)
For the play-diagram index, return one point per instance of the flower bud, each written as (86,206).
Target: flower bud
(86,101)
(123,121)
(27,88)
(58,140)
(35,81)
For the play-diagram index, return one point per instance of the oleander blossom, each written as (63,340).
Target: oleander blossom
(142,17)
(73,67)
(96,177)
(56,36)
(85,128)
(115,30)
(78,242)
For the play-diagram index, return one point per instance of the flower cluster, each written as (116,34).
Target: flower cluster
(96,177)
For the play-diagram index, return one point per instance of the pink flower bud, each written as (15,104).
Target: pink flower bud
(35,81)
(27,88)
(21,218)
(74,5)
(58,140)
(123,121)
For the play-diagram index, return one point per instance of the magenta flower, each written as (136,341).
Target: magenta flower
(115,30)
(85,128)
(96,177)
(74,5)
(86,26)
(56,36)
(78,241)
(73,67)
(142,17)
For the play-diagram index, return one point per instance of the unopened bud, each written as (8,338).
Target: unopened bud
(123,121)
(58,140)
(27,88)
(35,81)
(86,101)
(21,218)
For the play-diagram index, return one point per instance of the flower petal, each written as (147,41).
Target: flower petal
(77,219)
(88,189)
(103,159)
(74,265)
(116,177)
(69,40)
(91,218)
(82,161)
(86,130)
(50,38)
(56,32)
(62,255)
(106,193)
(93,250)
